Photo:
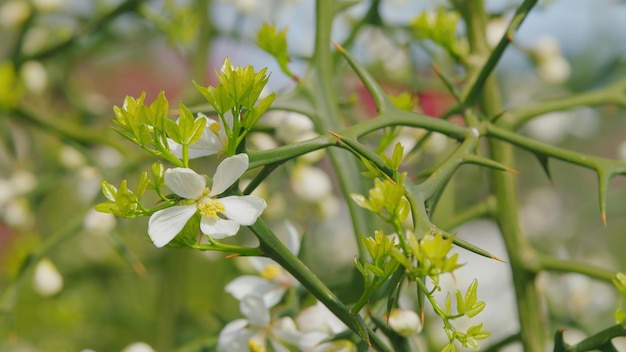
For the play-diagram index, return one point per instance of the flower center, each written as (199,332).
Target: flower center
(270,272)
(209,207)
(254,346)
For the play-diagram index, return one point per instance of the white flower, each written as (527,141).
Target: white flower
(221,217)
(311,183)
(138,347)
(47,281)
(273,280)
(212,141)
(405,322)
(254,332)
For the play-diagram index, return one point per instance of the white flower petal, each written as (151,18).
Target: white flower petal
(248,284)
(184,182)
(293,238)
(228,171)
(165,224)
(243,209)
(259,263)
(253,307)
(218,228)
(234,337)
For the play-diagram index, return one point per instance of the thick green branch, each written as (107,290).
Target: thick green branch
(544,262)
(613,94)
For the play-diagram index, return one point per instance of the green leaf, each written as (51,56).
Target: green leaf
(108,190)
(470,294)
(174,131)
(274,42)
(404,101)
(460,304)
(11,88)
(159,110)
(142,185)
(476,309)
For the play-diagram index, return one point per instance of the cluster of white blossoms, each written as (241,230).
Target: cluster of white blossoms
(221,217)
(259,329)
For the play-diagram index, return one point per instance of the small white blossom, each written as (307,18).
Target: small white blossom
(257,330)
(47,281)
(310,183)
(213,141)
(138,347)
(221,217)
(98,222)
(34,76)
(14,13)
(273,280)
(405,322)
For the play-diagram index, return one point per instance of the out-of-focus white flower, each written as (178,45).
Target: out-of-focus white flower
(262,141)
(329,206)
(108,157)
(35,40)
(273,281)
(318,323)
(289,125)
(495,30)
(552,67)
(47,280)
(405,322)
(88,184)
(71,158)
(14,13)
(554,127)
(48,5)
(213,141)
(621,153)
(7,192)
(257,330)
(537,203)
(138,347)
(314,156)
(310,183)
(98,222)
(17,212)
(165,224)
(34,76)
(549,128)
(318,318)
(23,181)
(246,6)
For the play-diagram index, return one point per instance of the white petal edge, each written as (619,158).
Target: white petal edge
(218,228)
(253,307)
(228,171)
(165,224)
(184,182)
(243,209)
(234,337)
(293,238)
(248,284)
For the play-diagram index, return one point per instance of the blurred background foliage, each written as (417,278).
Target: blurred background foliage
(97,283)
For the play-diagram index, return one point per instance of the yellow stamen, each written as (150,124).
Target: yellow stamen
(215,127)
(254,346)
(210,207)
(270,272)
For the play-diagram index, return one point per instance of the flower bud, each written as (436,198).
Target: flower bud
(47,281)
(404,322)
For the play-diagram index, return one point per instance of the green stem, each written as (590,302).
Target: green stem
(273,248)
(93,27)
(504,184)
(613,94)
(544,262)
(70,132)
